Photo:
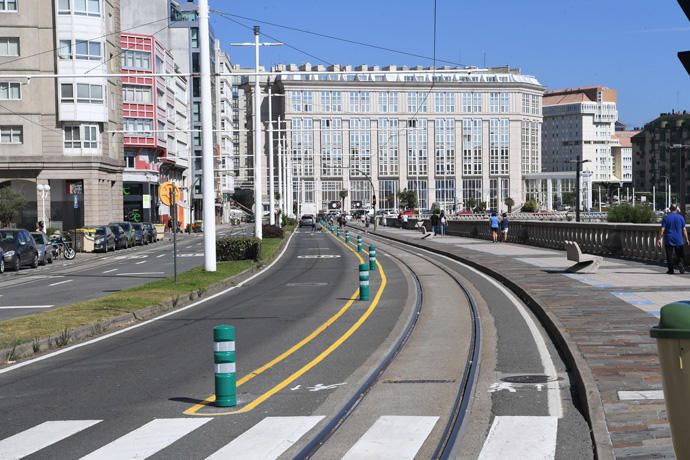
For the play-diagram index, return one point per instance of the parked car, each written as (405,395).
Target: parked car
(104,239)
(121,239)
(152,232)
(139,234)
(19,248)
(2,261)
(306,220)
(129,231)
(45,252)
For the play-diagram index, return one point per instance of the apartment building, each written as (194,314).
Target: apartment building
(580,124)
(456,136)
(61,128)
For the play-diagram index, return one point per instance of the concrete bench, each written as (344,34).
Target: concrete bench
(584,263)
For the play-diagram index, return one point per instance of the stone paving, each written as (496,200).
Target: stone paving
(605,319)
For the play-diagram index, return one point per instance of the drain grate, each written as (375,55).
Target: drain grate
(531,378)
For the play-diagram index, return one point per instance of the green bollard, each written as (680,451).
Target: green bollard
(359,243)
(372,257)
(337,232)
(347,236)
(224,359)
(363,282)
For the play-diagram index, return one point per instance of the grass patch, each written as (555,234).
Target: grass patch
(59,321)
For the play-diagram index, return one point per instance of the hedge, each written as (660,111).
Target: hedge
(271,231)
(237,248)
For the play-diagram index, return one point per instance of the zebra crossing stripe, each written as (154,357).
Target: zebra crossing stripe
(521,437)
(268,439)
(40,436)
(398,437)
(148,439)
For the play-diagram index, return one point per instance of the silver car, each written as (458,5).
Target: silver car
(45,249)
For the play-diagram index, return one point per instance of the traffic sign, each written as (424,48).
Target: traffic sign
(334,205)
(169,190)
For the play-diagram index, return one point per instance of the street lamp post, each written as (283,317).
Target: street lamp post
(683,186)
(578,198)
(43,189)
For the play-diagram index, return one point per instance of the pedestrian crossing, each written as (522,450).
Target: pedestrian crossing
(399,437)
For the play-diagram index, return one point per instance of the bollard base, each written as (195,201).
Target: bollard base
(226,390)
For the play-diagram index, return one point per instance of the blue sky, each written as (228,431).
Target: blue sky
(626,45)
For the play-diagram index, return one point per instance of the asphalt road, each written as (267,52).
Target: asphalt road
(92,275)
(164,368)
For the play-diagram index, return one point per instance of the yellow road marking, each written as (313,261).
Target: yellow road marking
(194,409)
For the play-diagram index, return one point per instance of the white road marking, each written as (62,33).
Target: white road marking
(140,273)
(322,256)
(17,307)
(132,256)
(321,386)
(398,437)
(161,255)
(501,386)
(521,437)
(61,282)
(139,263)
(111,270)
(640,395)
(40,436)
(268,439)
(145,323)
(148,439)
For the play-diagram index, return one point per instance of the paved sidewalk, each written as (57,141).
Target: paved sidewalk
(605,320)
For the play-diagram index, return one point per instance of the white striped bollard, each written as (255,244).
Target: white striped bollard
(347,236)
(363,282)
(224,359)
(372,257)
(359,243)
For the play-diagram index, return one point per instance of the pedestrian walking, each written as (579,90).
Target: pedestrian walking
(443,222)
(675,237)
(366,223)
(493,223)
(434,223)
(40,227)
(504,226)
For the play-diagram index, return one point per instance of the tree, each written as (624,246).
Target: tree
(471,203)
(481,207)
(530,206)
(510,203)
(407,199)
(343,194)
(244,197)
(10,204)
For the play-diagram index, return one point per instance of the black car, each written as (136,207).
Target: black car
(129,231)
(121,239)
(19,248)
(152,232)
(139,234)
(104,239)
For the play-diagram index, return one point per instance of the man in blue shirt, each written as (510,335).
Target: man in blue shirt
(493,222)
(675,238)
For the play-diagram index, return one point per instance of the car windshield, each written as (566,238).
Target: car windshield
(137,226)
(100,231)
(39,237)
(115,229)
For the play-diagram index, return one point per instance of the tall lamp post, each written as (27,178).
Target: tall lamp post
(43,189)
(683,185)
(578,198)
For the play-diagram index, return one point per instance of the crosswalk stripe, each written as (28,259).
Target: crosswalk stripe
(521,437)
(268,439)
(148,439)
(36,438)
(398,437)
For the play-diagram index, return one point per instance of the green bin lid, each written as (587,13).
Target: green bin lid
(674,322)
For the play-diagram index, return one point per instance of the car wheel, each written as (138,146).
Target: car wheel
(2,265)
(17,264)
(43,260)
(50,259)
(34,261)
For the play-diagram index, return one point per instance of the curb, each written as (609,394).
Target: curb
(88,331)
(587,393)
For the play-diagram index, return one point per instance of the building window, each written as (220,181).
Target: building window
(194,31)
(471,102)
(387,102)
(196,112)
(303,147)
(331,147)
(420,187)
(130,160)
(88,50)
(445,193)
(471,193)
(360,102)
(360,147)
(536,105)
(445,102)
(9,46)
(8,5)
(65,49)
(64,7)
(86,94)
(330,191)
(81,137)
(416,102)
(302,101)
(10,91)
(499,102)
(472,146)
(136,60)
(136,94)
(388,193)
(445,146)
(87,7)
(388,147)
(417,154)
(138,127)
(530,157)
(499,142)
(331,101)
(11,135)
(527,103)
(360,190)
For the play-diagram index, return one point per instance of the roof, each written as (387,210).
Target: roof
(579,94)
(625,137)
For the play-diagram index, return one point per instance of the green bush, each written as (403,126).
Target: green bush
(627,213)
(271,231)
(237,248)
(530,206)
(287,221)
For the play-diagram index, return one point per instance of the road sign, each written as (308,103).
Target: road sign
(146,201)
(334,205)
(166,190)
(356,205)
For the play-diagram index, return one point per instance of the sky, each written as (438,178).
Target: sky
(626,45)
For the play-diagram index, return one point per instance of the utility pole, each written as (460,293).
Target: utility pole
(578,198)
(271,171)
(208,191)
(258,183)
(281,200)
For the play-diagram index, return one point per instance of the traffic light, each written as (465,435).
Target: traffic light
(684,56)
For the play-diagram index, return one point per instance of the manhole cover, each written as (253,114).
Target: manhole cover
(533,378)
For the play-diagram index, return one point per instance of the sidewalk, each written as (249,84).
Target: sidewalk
(604,319)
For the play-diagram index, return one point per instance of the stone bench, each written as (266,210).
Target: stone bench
(584,263)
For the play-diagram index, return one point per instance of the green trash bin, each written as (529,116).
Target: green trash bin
(673,342)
